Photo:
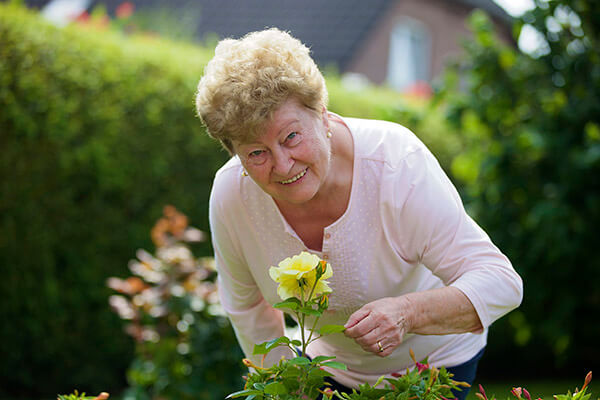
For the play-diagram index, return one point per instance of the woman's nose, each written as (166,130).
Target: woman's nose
(282,162)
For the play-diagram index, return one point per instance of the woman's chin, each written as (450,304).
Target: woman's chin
(296,195)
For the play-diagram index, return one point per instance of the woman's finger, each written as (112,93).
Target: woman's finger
(357,316)
(368,339)
(361,328)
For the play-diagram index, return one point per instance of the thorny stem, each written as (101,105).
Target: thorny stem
(301,322)
(312,290)
(305,343)
(312,330)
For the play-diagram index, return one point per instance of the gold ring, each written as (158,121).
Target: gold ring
(379,346)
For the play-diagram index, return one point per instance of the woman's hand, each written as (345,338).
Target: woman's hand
(379,327)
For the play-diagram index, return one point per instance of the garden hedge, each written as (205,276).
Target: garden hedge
(98,133)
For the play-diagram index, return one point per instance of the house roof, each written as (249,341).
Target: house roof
(333,29)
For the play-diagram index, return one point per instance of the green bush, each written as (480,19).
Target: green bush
(185,347)
(413,112)
(98,132)
(531,172)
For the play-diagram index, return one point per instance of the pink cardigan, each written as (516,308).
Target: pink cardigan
(405,230)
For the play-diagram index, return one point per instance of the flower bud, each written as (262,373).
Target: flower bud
(248,363)
(482,391)
(517,392)
(412,355)
(324,301)
(526,394)
(588,379)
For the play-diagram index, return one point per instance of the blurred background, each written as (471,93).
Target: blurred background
(105,171)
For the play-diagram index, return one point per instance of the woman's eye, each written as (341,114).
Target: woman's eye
(257,157)
(292,138)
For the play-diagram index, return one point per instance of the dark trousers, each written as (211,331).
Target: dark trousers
(464,372)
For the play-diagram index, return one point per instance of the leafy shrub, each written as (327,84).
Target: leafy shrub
(532,125)
(185,348)
(303,287)
(81,396)
(97,133)
(415,113)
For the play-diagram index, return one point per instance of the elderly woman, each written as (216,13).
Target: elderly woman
(411,269)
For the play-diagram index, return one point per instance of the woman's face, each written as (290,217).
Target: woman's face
(290,161)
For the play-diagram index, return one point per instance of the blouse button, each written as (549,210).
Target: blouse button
(325,256)
(327,235)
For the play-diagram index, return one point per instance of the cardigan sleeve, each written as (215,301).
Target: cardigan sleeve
(434,229)
(254,320)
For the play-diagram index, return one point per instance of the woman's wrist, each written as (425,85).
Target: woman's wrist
(439,312)
(407,315)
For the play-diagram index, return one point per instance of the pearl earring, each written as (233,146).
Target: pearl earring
(329,134)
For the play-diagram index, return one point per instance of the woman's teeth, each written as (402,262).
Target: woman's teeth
(295,178)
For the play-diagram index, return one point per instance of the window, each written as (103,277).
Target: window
(410,54)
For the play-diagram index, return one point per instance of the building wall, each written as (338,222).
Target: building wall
(445,21)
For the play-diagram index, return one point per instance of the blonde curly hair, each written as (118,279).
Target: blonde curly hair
(250,78)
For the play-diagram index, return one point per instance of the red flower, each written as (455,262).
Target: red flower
(419,89)
(124,10)
(422,367)
(83,17)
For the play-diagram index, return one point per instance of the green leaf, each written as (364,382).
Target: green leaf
(310,311)
(317,373)
(319,359)
(329,329)
(296,342)
(276,342)
(260,348)
(264,348)
(241,393)
(292,303)
(581,395)
(299,361)
(291,373)
(275,388)
(335,364)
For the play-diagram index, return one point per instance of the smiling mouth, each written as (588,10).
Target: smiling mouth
(294,178)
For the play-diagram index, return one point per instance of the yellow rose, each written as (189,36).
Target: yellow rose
(296,276)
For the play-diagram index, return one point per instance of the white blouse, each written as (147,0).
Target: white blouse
(405,230)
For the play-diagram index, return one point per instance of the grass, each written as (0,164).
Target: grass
(537,388)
